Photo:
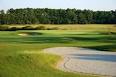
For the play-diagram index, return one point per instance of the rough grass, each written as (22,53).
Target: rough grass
(85,27)
(32,65)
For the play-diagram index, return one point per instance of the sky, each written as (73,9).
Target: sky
(104,5)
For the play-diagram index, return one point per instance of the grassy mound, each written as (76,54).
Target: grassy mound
(32,65)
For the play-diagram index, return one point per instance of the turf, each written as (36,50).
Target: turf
(20,56)
(50,38)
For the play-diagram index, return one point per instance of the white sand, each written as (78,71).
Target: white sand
(23,34)
(85,60)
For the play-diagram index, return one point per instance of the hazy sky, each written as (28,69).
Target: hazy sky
(78,4)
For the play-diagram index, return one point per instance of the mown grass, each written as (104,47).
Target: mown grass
(20,56)
(89,39)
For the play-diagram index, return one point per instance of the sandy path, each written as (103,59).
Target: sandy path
(85,60)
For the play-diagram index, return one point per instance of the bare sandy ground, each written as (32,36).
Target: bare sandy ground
(23,34)
(85,60)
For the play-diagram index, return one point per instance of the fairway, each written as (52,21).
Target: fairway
(20,51)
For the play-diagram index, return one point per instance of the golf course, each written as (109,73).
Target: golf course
(21,51)
(57,38)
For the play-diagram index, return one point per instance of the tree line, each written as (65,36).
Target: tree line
(56,16)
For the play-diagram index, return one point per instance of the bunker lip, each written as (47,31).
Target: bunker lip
(85,60)
(29,33)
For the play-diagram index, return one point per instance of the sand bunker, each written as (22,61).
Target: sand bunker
(29,33)
(23,34)
(85,60)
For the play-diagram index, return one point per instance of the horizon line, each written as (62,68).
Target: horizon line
(57,8)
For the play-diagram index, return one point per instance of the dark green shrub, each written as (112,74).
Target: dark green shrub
(28,28)
(12,29)
(41,28)
(3,28)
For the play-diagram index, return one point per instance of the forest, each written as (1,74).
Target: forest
(56,16)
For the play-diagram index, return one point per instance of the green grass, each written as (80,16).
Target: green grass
(32,65)
(20,56)
(44,38)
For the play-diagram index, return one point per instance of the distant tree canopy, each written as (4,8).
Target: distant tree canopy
(56,16)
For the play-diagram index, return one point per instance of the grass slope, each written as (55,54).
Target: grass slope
(32,65)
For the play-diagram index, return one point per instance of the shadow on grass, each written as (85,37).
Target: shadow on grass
(66,40)
(102,39)
(111,48)
(36,40)
(31,33)
(55,39)
(95,33)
